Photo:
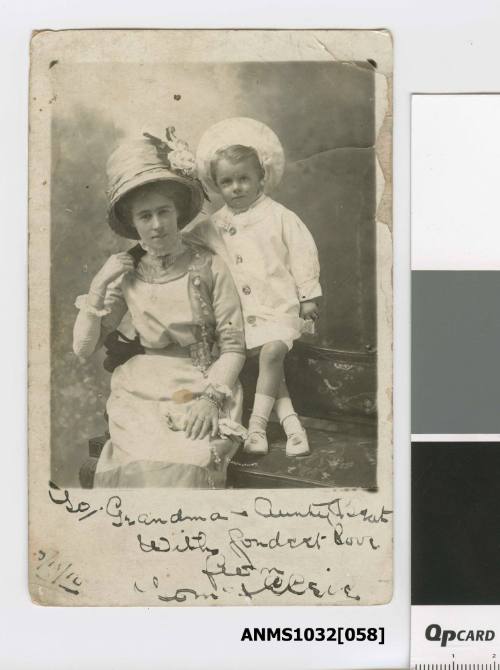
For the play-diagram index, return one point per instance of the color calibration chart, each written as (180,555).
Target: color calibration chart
(455,381)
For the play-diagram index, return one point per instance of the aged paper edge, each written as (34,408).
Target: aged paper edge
(345,45)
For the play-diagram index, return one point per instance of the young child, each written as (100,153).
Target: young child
(273,260)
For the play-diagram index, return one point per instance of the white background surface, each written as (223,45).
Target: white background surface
(455,150)
(439,46)
(457,619)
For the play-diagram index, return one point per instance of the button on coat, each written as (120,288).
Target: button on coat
(281,267)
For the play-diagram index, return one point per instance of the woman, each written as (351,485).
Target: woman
(174,405)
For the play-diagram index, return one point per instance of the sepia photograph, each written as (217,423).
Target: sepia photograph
(215,313)
(251,285)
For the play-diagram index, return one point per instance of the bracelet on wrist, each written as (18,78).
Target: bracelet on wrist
(212,399)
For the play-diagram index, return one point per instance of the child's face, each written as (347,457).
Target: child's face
(240,183)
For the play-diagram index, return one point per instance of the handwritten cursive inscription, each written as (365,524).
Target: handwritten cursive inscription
(331,511)
(52,569)
(248,582)
(244,552)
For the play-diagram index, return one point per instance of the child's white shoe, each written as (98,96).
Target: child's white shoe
(297,444)
(256,443)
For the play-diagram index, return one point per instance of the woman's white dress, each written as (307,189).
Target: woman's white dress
(186,319)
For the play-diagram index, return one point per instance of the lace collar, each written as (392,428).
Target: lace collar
(167,257)
(155,268)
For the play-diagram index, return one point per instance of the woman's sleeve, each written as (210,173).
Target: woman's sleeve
(227,309)
(229,329)
(303,255)
(92,325)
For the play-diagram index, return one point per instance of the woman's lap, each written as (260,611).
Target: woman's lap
(147,447)
(139,474)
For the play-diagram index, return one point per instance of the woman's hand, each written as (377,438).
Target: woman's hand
(116,265)
(202,419)
(309,310)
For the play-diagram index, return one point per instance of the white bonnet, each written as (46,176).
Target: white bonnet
(249,133)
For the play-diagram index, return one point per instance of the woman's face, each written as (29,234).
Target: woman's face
(154,216)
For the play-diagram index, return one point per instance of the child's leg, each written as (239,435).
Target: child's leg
(271,368)
(297,443)
(271,359)
(285,411)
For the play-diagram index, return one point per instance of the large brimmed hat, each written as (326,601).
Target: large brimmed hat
(147,160)
(247,132)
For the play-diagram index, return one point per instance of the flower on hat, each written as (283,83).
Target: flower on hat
(175,153)
(182,161)
(180,158)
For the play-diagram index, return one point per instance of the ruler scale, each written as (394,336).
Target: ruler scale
(457,666)
(455,612)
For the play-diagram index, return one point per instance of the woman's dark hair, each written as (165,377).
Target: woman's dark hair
(236,153)
(179,194)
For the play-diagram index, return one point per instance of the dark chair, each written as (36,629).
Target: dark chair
(335,394)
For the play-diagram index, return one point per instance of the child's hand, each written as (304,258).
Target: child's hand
(309,310)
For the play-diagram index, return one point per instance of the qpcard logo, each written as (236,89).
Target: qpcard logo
(434,633)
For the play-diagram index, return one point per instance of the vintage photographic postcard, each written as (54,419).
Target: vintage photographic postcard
(210,326)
